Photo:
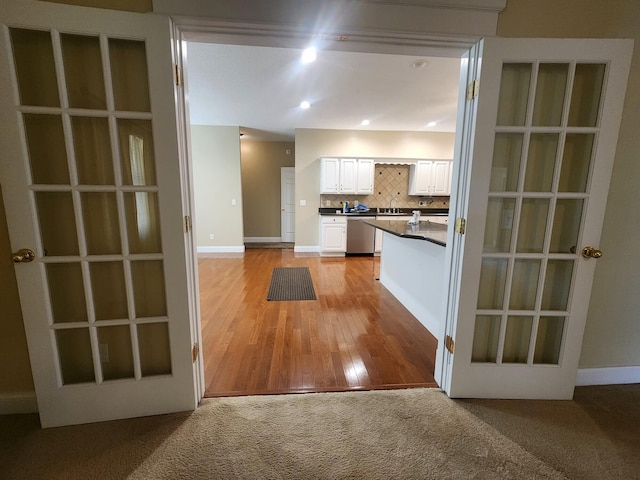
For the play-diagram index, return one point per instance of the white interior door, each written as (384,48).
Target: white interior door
(93,190)
(538,149)
(288,203)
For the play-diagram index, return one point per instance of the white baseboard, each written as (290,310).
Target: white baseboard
(306,249)
(229,249)
(262,239)
(19,402)
(607,376)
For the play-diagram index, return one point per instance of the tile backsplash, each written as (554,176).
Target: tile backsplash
(391,181)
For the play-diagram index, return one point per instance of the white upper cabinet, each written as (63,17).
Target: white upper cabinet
(329,175)
(430,177)
(346,175)
(366,170)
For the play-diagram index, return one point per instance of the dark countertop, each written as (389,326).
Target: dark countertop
(374,212)
(426,230)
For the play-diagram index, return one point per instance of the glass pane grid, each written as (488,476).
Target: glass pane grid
(88,206)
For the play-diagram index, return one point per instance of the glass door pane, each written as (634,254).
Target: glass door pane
(92,148)
(516,339)
(35,67)
(514,93)
(576,162)
(47,150)
(585,98)
(129,75)
(83,71)
(550,93)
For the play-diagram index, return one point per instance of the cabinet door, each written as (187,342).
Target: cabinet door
(348,175)
(366,169)
(334,238)
(329,175)
(441,178)
(420,178)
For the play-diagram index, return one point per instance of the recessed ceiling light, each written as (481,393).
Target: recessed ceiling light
(420,64)
(365,122)
(304,105)
(432,124)
(309,55)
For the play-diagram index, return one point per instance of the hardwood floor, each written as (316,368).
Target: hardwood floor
(356,335)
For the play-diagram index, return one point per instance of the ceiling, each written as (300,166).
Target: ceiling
(261,88)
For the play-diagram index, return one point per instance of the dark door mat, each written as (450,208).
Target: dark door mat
(291,283)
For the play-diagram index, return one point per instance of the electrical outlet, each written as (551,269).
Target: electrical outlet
(233,201)
(104,352)
(211,236)
(422,203)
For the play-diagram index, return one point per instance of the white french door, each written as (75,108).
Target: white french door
(91,181)
(536,151)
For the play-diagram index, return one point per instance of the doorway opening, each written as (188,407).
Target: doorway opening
(374,355)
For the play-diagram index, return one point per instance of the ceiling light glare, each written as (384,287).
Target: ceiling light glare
(309,55)
(304,105)
(432,124)
(365,123)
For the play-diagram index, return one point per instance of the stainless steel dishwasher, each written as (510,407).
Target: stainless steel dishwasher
(360,237)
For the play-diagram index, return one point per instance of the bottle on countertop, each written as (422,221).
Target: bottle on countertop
(346,207)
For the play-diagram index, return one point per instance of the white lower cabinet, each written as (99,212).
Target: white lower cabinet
(333,235)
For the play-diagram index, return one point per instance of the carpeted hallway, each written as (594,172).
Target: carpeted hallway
(395,434)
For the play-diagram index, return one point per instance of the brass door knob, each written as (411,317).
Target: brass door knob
(590,252)
(24,255)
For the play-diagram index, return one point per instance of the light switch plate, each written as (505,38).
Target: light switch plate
(303,203)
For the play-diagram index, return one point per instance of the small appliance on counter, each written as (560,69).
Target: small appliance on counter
(415,220)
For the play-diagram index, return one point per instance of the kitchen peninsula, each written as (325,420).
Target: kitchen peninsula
(412,267)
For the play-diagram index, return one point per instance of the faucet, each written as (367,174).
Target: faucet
(390,210)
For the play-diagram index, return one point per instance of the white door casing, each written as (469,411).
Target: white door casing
(146,366)
(288,204)
(521,337)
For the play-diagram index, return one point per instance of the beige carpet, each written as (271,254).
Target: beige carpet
(401,434)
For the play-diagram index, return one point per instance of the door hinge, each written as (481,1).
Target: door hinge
(194,352)
(472,89)
(187,223)
(178,75)
(461,225)
(449,343)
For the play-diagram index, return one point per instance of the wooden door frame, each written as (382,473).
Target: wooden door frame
(187,29)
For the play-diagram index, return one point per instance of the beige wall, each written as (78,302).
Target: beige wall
(15,369)
(216,182)
(612,336)
(261,163)
(311,144)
